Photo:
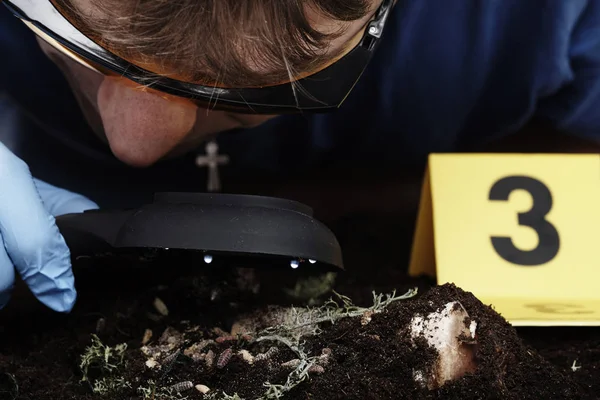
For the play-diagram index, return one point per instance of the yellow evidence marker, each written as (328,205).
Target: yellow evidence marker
(519,231)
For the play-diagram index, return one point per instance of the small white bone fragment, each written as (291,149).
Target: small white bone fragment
(152,363)
(202,389)
(445,331)
(246,356)
(473,328)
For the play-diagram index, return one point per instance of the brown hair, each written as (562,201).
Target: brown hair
(236,43)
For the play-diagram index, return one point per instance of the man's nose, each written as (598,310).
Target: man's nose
(142,126)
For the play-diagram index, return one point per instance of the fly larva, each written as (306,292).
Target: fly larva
(209,359)
(181,386)
(147,337)
(226,338)
(292,363)
(316,369)
(161,307)
(171,357)
(224,358)
(266,355)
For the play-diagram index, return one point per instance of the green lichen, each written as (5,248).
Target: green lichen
(110,385)
(104,358)
(100,365)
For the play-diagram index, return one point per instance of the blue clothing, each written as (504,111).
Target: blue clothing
(449,74)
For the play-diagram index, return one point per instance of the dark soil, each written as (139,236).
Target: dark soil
(40,351)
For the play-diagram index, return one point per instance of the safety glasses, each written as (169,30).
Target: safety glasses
(321,92)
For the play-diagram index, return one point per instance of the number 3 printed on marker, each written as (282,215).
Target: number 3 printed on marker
(535,218)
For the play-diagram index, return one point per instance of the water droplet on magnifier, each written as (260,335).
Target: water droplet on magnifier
(208,259)
(312,261)
(294,264)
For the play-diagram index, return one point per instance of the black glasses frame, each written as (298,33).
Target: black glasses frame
(321,92)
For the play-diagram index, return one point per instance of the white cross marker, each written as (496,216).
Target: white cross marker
(212,160)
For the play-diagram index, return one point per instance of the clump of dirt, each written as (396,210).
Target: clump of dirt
(176,326)
(382,368)
(575,351)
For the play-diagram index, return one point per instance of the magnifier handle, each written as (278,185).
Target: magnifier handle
(93,231)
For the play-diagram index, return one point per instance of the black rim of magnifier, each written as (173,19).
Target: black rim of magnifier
(251,231)
(321,92)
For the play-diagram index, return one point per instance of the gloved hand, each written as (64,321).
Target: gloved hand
(30,242)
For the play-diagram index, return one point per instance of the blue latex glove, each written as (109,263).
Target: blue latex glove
(30,242)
